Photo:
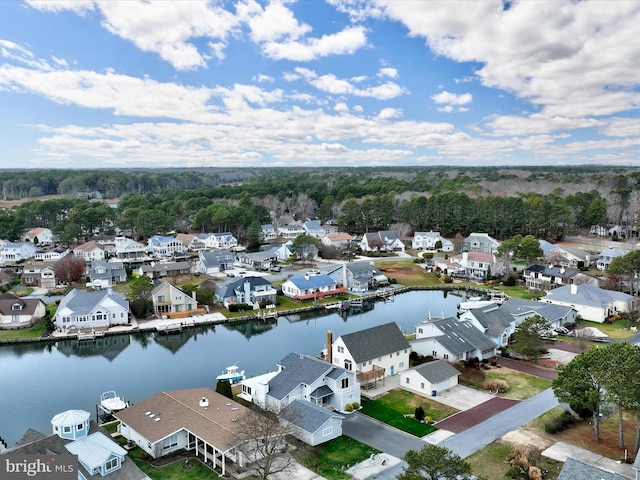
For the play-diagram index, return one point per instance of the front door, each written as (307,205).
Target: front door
(392,371)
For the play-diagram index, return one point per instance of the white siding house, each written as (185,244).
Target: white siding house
(591,303)
(82,309)
(430,378)
(429,241)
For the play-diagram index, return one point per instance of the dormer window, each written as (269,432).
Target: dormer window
(16,306)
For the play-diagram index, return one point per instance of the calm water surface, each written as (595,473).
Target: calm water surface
(38,381)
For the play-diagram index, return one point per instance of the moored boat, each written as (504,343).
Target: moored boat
(111,402)
(232,374)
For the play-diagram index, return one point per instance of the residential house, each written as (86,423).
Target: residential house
(219,241)
(127,249)
(591,303)
(452,339)
(557,315)
(480,242)
(39,236)
(572,257)
(291,230)
(475,266)
(106,274)
(164,246)
(215,262)
(283,251)
(84,309)
(38,275)
(192,242)
(172,302)
(306,378)
(164,269)
(430,378)
(546,278)
(16,312)
(373,353)
(382,241)
(311,423)
(98,456)
(268,233)
(495,322)
(429,241)
(253,291)
(257,260)
(198,420)
(311,285)
(51,254)
(607,256)
(89,251)
(314,229)
(576,470)
(16,251)
(360,276)
(340,241)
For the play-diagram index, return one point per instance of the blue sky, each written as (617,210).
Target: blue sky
(114,84)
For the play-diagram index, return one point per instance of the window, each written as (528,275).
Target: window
(80,426)
(66,429)
(170,442)
(345,383)
(340,349)
(401,365)
(327,431)
(111,464)
(407,381)
(161,298)
(446,356)
(422,385)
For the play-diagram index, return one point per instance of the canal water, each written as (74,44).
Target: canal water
(39,380)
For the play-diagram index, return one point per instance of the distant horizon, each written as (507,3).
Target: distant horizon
(98,84)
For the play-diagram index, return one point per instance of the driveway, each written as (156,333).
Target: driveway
(464,420)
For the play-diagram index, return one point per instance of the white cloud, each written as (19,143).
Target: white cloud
(78,6)
(345,42)
(341,107)
(446,109)
(263,78)
(388,72)
(452,98)
(272,23)
(389,113)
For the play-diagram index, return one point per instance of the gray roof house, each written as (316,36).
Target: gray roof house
(372,353)
(569,256)
(106,274)
(495,322)
(430,377)
(98,455)
(250,290)
(452,340)
(302,377)
(548,277)
(314,229)
(607,256)
(258,260)
(360,276)
(480,242)
(591,303)
(384,241)
(215,262)
(429,241)
(83,309)
(165,269)
(576,470)
(312,423)
(557,315)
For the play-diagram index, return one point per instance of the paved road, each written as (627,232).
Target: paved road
(478,437)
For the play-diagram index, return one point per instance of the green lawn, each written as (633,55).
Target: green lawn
(173,471)
(331,459)
(34,332)
(397,407)
(521,385)
(618,329)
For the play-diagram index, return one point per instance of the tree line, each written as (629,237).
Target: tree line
(361,200)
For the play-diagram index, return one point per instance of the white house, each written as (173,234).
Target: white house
(373,353)
(607,256)
(383,241)
(191,242)
(291,230)
(283,251)
(591,303)
(268,233)
(429,241)
(215,262)
(39,236)
(314,229)
(16,251)
(16,312)
(360,276)
(342,241)
(106,274)
(164,246)
(430,378)
(127,249)
(83,309)
(311,285)
(568,256)
(218,241)
(472,265)
(51,254)
(89,251)
(306,378)
(452,339)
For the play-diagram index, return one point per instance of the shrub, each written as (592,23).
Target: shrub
(510,281)
(419,414)
(493,363)
(560,423)
(355,405)
(349,407)
(496,386)
(447,279)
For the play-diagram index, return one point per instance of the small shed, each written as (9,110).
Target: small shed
(430,378)
(72,424)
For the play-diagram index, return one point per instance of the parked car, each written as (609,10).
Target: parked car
(275,268)
(231,274)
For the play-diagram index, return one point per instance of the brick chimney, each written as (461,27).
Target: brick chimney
(329,356)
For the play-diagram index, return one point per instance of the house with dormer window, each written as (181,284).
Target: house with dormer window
(16,312)
(382,241)
(306,378)
(431,241)
(39,275)
(164,246)
(98,456)
(314,229)
(81,309)
(250,290)
(106,274)
(291,230)
(607,256)
(480,242)
(215,262)
(268,233)
(89,251)
(170,301)
(127,249)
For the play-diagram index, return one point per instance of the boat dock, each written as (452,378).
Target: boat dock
(175,327)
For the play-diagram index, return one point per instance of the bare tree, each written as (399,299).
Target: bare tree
(262,442)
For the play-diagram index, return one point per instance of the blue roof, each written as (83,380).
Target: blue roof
(305,282)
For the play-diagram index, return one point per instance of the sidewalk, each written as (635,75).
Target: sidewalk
(561,451)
